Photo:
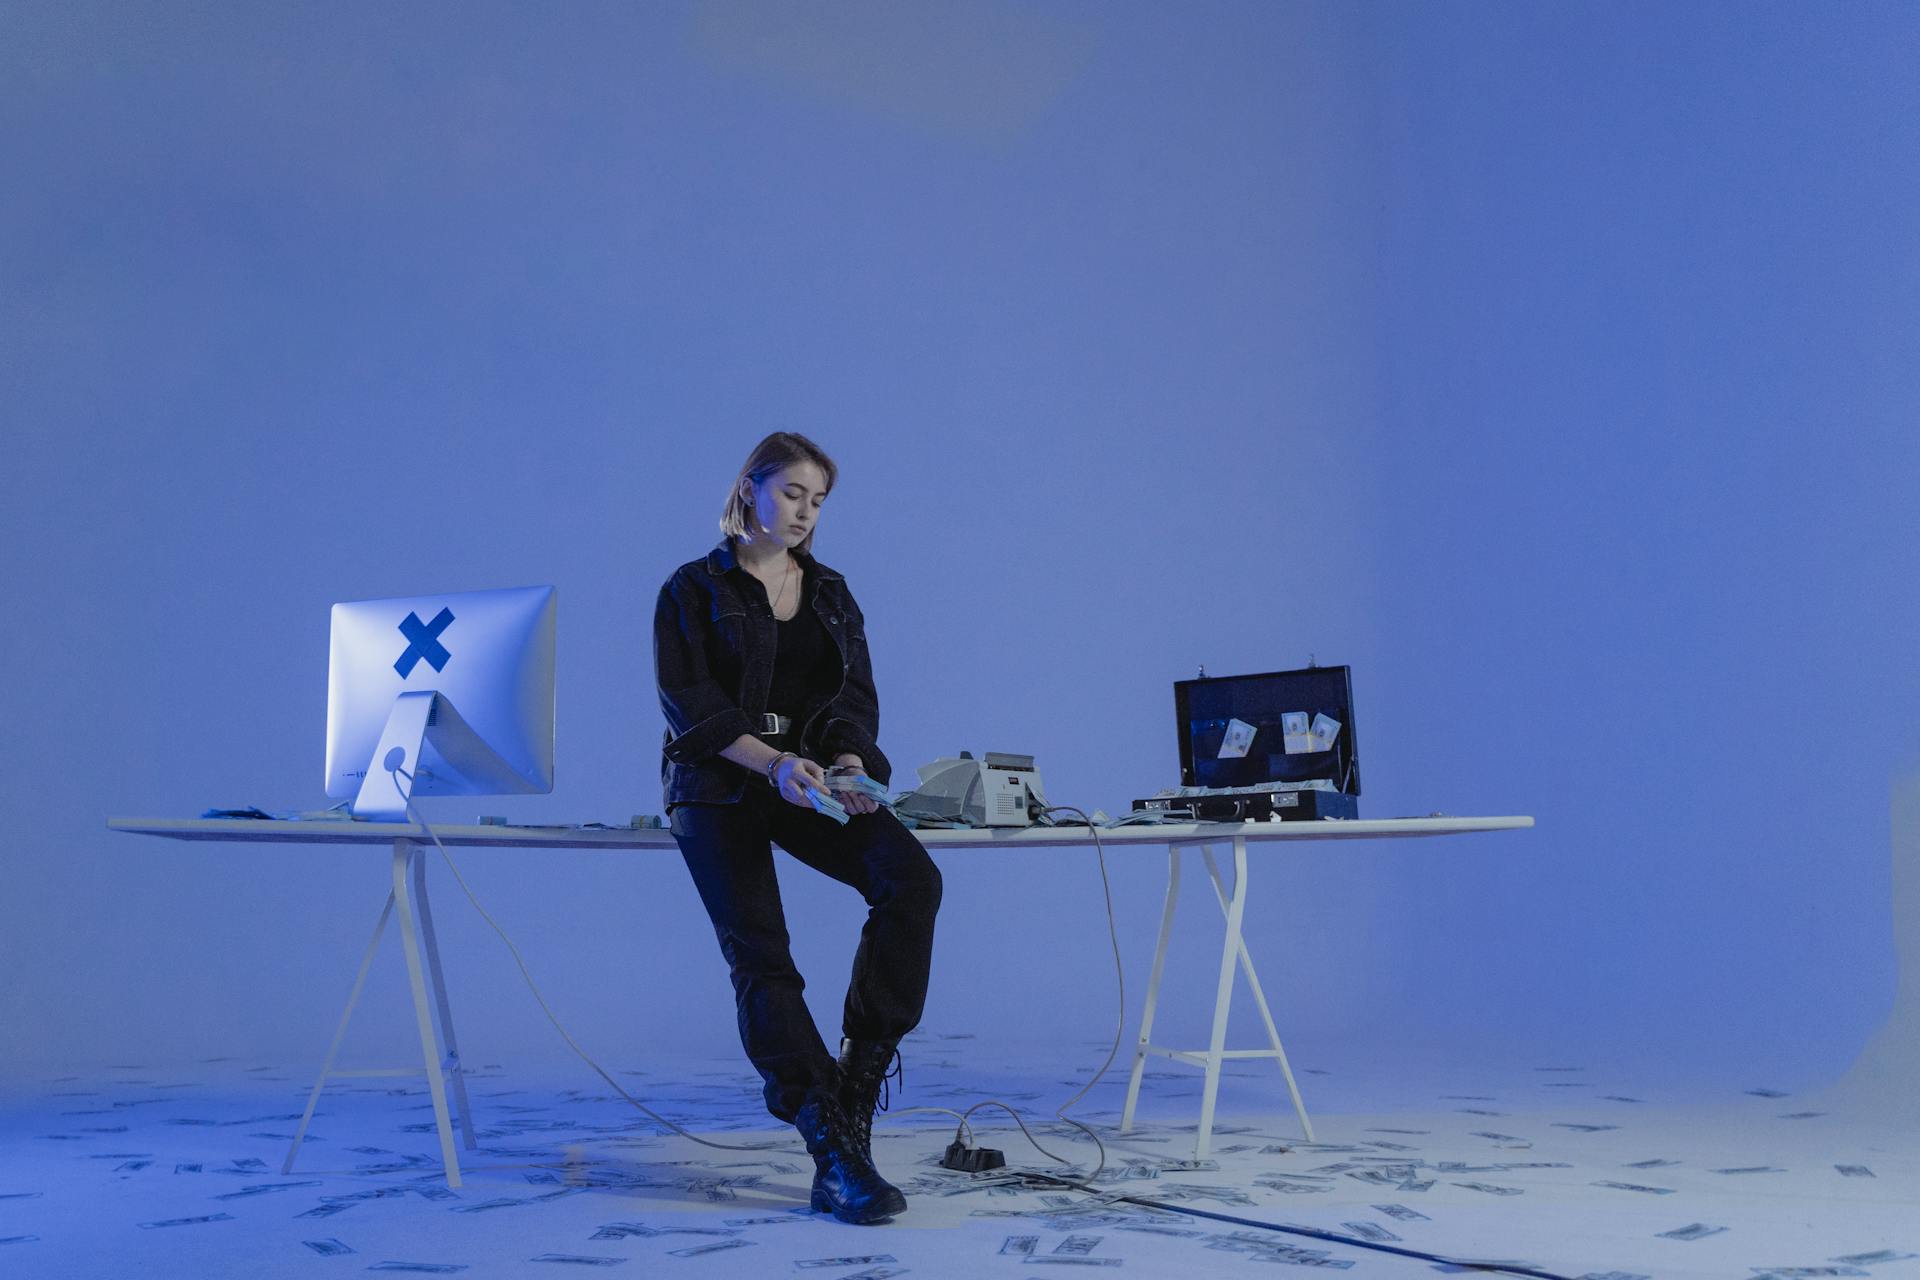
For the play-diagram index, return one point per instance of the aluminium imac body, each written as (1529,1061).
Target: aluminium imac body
(440,695)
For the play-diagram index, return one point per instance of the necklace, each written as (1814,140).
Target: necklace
(787,577)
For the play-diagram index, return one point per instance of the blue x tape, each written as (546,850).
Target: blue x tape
(423,641)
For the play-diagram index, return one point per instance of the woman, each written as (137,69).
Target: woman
(761,657)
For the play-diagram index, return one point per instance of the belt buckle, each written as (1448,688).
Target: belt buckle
(775,725)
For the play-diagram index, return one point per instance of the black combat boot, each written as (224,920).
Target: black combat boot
(845,1182)
(863,1082)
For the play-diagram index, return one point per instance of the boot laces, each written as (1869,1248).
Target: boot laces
(874,1092)
(898,1072)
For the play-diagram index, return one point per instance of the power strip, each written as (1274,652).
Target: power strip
(967,1159)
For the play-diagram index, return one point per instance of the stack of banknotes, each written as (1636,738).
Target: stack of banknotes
(843,779)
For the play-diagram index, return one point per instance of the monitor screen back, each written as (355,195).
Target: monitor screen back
(489,653)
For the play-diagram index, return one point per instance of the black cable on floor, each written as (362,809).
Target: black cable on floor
(1309,1232)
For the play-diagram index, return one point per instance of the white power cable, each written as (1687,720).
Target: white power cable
(1120,1025)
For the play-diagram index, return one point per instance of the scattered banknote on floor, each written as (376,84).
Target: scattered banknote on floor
(1692,1231)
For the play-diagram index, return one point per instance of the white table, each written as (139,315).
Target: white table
(445,1075)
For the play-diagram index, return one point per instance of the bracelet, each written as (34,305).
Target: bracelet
(775,763)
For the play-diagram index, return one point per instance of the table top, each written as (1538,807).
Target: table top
(260,830)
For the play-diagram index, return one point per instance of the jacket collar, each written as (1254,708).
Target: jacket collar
(723,557)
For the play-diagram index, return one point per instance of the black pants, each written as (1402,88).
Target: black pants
(727,849)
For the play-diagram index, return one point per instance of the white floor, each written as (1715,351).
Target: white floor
(147,1171)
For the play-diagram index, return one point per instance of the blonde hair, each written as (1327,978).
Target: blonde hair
(779,450)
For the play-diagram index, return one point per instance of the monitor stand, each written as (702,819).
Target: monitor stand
(417,719)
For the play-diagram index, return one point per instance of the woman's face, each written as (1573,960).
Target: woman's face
(787,503)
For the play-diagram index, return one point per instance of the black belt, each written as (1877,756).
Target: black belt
(775,726)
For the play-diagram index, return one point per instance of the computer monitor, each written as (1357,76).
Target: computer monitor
(460,686)
(1281,729)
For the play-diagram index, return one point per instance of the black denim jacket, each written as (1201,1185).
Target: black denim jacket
(713,651)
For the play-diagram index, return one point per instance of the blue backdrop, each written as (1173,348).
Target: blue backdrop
(1554,366)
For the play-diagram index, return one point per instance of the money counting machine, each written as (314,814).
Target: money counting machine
(995,791)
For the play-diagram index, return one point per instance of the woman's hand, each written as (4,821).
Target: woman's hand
(795,775)
(855,801)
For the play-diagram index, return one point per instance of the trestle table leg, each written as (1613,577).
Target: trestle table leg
(404,851)
(333,1050)
(1259,996)
(1223,995)
(1153,987)
(455,1071)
